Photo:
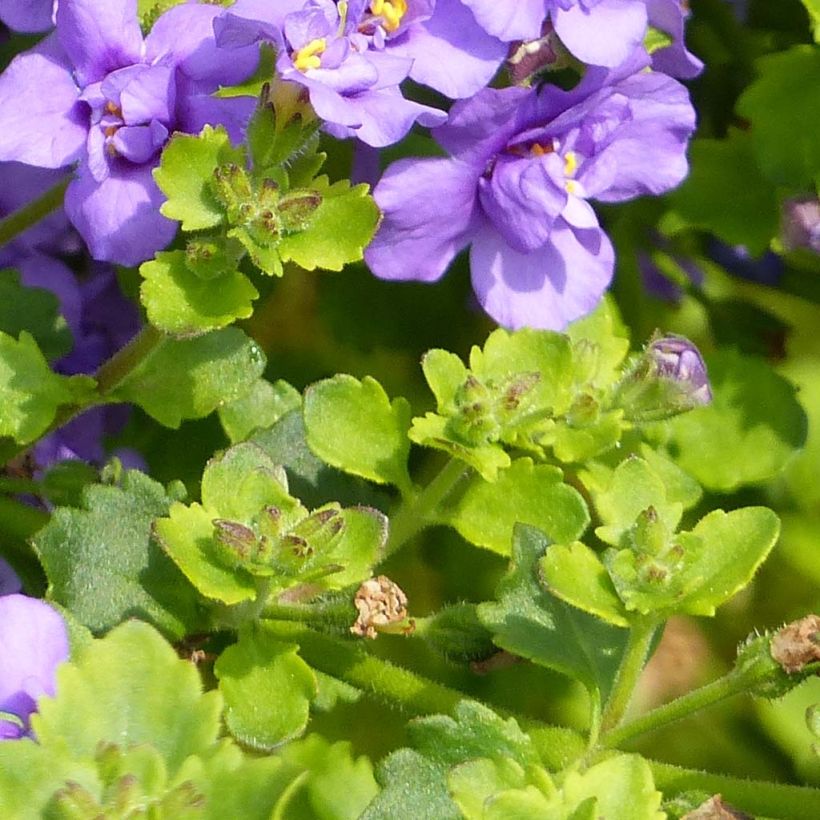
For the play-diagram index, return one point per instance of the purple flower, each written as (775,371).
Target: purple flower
(670,16)
(801,223)
(33,643)
(97,93)
(352,57)
(676,359)
(736,259)
(9,582)
(27,15)
(523,164)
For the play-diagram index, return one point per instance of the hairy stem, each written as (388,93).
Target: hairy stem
(416,511)
(632,664)
(23,218)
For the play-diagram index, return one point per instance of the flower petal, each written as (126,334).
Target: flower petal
(510,20)
(28,16)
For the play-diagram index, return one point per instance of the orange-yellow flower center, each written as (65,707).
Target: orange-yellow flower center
(309,56)
(391,12)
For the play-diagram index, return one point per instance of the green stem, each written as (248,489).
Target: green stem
(414,694)
(415,513)
(110,375)
(734,683)
(632,664)
(23,218)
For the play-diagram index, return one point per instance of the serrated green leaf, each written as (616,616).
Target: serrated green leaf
(338,231)
(35,310)
(126,689)
(30,391)
(260,408)
(486,514)
(185,172)
(445,374)
(181,303)
(747,434)
(354,426)
(634,488)
(575,574)
(188,379)
(783,105)
(681,488)
(709,197)
(187,536)
(528,621)
(813,8)
(601,336)
(267,689)
(359,546)
(103,566)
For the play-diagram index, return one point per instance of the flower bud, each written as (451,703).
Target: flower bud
(668,378)
(800,227)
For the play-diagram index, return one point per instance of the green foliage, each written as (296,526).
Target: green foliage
(529,622)
(35,310)
(783,106)
(746,435)
(526,493)
(267,689)
(30,392)
(103,566)
(190,378)
(261,407)
(353,425)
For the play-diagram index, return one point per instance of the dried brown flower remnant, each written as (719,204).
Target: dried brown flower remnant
(715,809)
(797,644)
(382,607)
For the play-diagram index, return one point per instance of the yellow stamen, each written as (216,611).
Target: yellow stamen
(391,12)
(308,56)
(538,150)
(570,163)
(572,187)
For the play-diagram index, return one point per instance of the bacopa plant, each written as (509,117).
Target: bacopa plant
(408,409)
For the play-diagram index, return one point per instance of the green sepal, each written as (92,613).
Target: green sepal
(31,392)
(185,176)
(338,231)
(181,303)
(530,622)
(35,310)
(267,689)
(535,494)
(103,566)
(354,426)
(190,378)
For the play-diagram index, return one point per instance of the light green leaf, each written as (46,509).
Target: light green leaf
(527,621)
(125,689)
(260,408)
(813,8)
(445,374)
(188,379)
(185,173)
(600,343)
(575,574)
(267,689)
(354,426)
(181,303)
(103,566)
(486,514)
(30,392)
(749,432)
(337,232)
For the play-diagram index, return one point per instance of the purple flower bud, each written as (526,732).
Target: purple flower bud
(33,642)
(801,224)
(676,358)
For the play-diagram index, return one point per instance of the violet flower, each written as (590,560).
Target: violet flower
(29,16)
(523,164)
(351,57)
(33,643)
(9,582)
(96,92)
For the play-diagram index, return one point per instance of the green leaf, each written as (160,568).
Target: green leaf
(338,230)
(528,621)
(181,303)
(749,432)
(126,689)
(783,105)
(188,379)
(261,407)
(813,8)
(354,426)
(600,343)
(187,536)
(30,392)
(103,566)
(634,487)
(267,689)
(709,198)
(575,574)
(185,173)
(485,514)
(35,310)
